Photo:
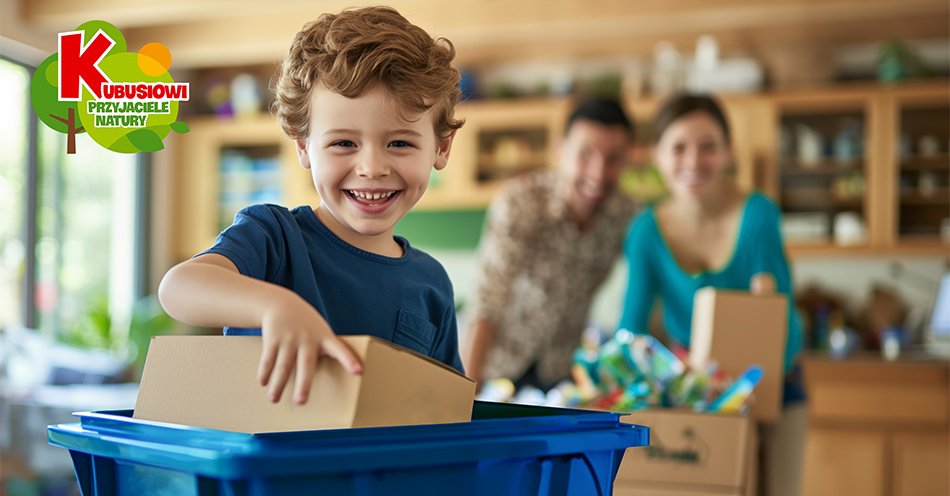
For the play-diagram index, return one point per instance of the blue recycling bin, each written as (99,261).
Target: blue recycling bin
(506,449)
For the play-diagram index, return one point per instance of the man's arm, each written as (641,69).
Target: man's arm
(481,336)
(209,291)
(503,254)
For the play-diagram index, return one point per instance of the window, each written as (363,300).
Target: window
(85,220)
(14,141)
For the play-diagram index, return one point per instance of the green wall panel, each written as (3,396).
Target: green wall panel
(447,229)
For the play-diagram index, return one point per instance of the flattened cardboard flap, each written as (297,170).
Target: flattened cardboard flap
(211,382)
(738,329)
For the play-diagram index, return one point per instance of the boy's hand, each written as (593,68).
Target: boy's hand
(295,335)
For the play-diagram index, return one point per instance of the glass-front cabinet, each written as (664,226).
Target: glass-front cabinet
(821,176)
(923,170)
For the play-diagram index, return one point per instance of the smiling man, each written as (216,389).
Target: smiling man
(550,240)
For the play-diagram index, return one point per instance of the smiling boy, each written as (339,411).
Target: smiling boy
(369,100)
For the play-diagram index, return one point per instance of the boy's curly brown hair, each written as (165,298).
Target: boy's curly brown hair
(349,51)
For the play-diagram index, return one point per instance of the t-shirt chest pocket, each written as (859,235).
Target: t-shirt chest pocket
(414,332)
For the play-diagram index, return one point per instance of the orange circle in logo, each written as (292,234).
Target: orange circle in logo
(154,59)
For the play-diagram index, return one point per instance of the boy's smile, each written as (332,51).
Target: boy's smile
(372,200)
(370,163)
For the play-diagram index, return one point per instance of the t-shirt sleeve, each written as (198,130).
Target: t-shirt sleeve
(253,242)
(641,278)
(771,258)
(503,251)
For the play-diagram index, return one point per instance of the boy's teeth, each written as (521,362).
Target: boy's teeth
(371,196)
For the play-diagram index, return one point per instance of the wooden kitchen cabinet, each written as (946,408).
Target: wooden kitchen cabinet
(815,187)
(898,188)
(922,165)
(202,182)
(844,462)
(878,180)
(877,427)
(921,464)
(500,139)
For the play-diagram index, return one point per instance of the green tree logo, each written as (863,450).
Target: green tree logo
(126,101)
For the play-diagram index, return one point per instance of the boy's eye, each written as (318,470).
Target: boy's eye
(343,143)
(400,144)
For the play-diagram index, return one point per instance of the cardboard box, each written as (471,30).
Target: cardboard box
(690,454)
(738,329)
(210,381)
(663,490)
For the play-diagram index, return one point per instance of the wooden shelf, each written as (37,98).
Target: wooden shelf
(920,241)
(823,168)
(918,163)
(818,203)
(905,248)
(940,196)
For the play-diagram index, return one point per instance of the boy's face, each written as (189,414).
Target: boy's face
(593,156)
(369,164)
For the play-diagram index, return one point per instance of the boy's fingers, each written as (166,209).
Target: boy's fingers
(306,366)
(268,357)
(339,351)
(285,364)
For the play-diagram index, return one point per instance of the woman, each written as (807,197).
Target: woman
(708,232)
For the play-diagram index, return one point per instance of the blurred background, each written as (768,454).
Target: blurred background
(840,112)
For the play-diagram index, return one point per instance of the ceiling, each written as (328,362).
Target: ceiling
(215,33)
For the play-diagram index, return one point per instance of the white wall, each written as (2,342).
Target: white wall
(916,280)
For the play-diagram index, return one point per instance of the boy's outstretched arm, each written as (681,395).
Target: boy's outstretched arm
(209,291)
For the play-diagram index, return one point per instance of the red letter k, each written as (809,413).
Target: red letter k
(81,64)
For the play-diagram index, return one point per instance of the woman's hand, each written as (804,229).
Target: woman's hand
(295,335)
(762,284)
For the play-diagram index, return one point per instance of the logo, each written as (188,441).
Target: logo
(125,101)
(692,449)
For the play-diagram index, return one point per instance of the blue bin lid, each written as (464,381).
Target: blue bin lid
(498,430)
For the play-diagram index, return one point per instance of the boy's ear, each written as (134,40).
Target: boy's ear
(445,147)
(302,156)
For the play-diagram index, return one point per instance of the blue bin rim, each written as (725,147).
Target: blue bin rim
(498,430)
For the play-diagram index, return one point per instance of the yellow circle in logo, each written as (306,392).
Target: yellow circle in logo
(154,59)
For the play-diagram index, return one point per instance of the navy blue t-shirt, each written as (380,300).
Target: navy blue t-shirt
(406,300)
